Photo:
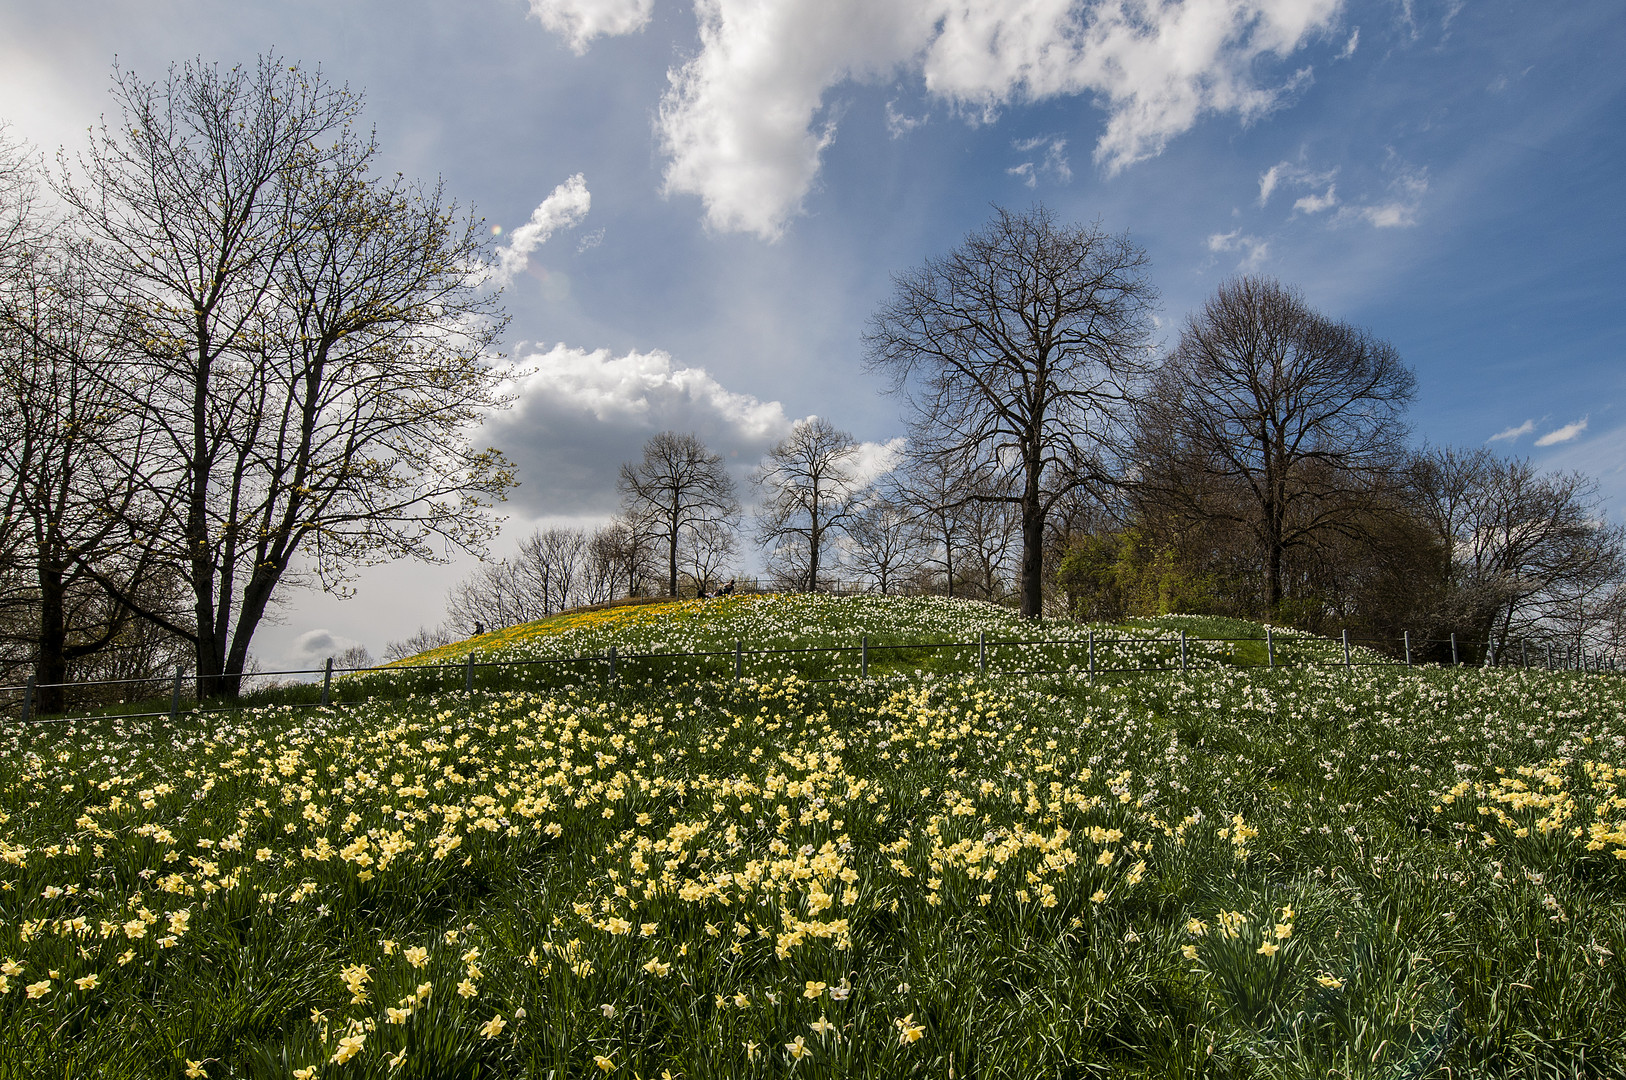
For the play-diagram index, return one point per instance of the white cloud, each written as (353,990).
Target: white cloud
(744,126)
(580,21)
(1254,249)
(875,459)
(1402,204)
(1349,49)
(314,646)
(1269,179)
(1563,434)
(899,124)
(581,413)
(1399,206)
(1514,432)
(739,121)
(1296,176)
(1054,162)
(1314,204)
(564,207)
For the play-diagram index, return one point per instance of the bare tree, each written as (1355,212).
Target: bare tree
(706,551)
(1274,417)
(936,497)
(990,530)
(1018,353)
(809,489)
(677,488)
(621,552)
(551,563)
(309,341)
(425,639)
(884,544)
(1530,553)
(493,596)
(354,658)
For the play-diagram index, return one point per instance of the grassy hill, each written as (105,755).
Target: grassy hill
(1226,871)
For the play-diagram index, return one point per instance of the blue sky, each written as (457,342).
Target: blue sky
(1448,175)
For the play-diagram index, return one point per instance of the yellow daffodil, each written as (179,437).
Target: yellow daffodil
(349,1047)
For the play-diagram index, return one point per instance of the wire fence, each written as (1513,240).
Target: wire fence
(1090,655)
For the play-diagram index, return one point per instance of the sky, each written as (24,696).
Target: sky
(697,204)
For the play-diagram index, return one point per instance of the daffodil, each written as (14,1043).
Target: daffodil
(349,1047)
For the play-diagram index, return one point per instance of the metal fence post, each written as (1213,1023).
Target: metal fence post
(175,697)
(28,699)
(739,660)
(982,651)
(612,662)
(1182,650)
(1346,649)
(1454,660)
(468,675)
(1270,648)
(1549,656)
(327,681)
(1092,654)
(1526,644)
(1405,635)
(863,657)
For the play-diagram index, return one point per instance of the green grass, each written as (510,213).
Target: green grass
(1230,871)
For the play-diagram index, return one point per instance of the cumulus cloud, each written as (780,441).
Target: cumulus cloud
(744,123)
(875,459)
(564,207)
(1514,433)
(1563,434)
(580,21)
(581,413)
(1253,249)
(1314,204)
(314,646)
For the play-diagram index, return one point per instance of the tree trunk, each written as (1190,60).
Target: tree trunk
(1273,578)
(51,664)
(813,539)
(1032,547)
(671,562)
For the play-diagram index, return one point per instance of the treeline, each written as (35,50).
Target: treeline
(1261,467)
(234,359)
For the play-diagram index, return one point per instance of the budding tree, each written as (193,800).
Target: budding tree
(309,342)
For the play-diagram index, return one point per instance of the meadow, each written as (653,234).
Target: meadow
(1229,870)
